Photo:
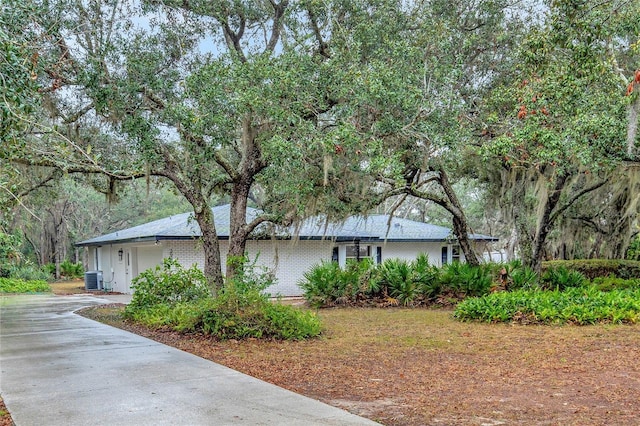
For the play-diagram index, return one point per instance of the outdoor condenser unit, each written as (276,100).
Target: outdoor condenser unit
(93,280)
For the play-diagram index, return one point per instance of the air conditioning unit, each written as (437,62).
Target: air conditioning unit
(93,280)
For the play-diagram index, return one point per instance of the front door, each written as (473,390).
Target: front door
(130,267)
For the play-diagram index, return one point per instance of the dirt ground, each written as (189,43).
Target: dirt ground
(419,367)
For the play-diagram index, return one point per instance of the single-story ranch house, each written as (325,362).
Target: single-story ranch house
(115,259)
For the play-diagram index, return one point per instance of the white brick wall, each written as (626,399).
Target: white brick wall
(289,259)
(409,251)
(186,252)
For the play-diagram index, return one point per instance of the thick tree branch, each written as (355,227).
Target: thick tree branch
(76,116)
(573,199)
(323,47)
(226,165)
(276,28)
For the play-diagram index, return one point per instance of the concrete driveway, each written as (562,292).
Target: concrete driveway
(57,368)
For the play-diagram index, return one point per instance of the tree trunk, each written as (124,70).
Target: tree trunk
(237,227)
(545,223)
(204,217)
(632,126)
(250,165)
(460,228)
(523,239)
(460,224)
(210,247)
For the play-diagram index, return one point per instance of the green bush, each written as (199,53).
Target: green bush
(15,285)
(29,272)
(519,276)
(463,280)
(395,281)
(327,284)
(359,278)
(561,278)
(410,283)
(167,284)
(322,285)
(71,270)
(240,310)
(633,251)
(426,277)
(250,276)
(233,315)
(396,276)
(10,255)
(576,305)
(612,283)
(592,268)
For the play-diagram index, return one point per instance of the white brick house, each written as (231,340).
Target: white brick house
(115,259)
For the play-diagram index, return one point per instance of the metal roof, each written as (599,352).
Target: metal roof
(369,228)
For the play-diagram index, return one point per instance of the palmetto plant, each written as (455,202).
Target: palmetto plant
(521,276)
(463,279)
(561,278)
(321,284)
(426,277)
(396,275)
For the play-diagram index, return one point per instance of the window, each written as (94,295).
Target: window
(445,255)
(455,254)
(358,252)
(335,255)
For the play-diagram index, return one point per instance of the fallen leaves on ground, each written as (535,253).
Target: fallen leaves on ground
(420,367)
(5,417)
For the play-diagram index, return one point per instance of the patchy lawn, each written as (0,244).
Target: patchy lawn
(419,367)
(68,287)
(64,288)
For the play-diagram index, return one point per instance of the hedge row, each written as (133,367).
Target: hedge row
(592,268)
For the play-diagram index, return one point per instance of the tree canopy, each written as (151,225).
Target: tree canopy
(305,107)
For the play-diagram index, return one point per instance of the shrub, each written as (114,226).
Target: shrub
(29,272)
(581,306)
(426,277)
(71,270)
(612,283)
(250,276)
(10,255)
(463,280)
(518,276)
(322,285)
(233,315)
(395,281)
(358,278)
(240,310)
(167,284)
(15,285)
(561,278)
(524,278)
(592,268)
(289,323)
(327,284)
(396,276)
